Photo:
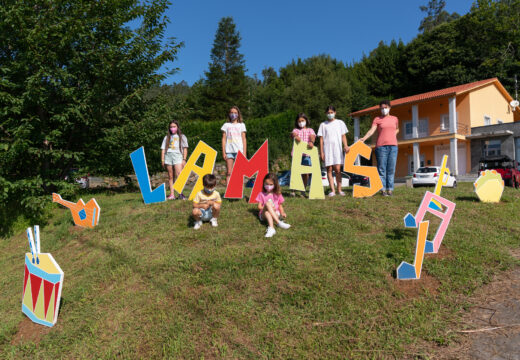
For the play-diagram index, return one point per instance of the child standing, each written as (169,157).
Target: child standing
(303,132)
(174,153)
(270,205)
(233,139)
(206,204)
(333,141)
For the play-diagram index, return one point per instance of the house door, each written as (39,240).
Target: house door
(441,150)
(410,163)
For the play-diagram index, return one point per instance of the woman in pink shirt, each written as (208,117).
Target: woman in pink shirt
(387,127)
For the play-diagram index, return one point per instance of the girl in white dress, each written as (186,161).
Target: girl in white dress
(333,141)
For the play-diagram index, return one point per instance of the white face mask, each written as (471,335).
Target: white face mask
(385,111)
(330,116)
(302,124)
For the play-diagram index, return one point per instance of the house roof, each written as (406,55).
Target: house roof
(451,91)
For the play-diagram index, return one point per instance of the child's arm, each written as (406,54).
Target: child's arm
(295,136)
(162,156)
(322,155)
(198,205)
(224,145)
(312,138)
(244,142)
(184,155)
(344,140)
(282,212)
(260,206)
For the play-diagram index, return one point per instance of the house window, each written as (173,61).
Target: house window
(487,120)
(445,122)
(491,147)
(408,129)
(423,127)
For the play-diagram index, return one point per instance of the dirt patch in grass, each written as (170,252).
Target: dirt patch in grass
(490,329)
(415,288)
(29,332)
(444,253)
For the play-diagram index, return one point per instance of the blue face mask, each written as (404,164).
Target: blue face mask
(208,191)
(233,116)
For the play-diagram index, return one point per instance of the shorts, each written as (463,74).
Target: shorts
(261,215)
(207,214)
(306,160)
(231,155)
(172,158)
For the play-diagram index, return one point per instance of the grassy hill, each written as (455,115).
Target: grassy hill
(143,284)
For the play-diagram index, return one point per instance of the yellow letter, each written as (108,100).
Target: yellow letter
(297,169)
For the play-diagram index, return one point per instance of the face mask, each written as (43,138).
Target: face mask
(330,116)
(208,191)
(269,187)
(385,111)
(302,124)
(233,116)
(173,130)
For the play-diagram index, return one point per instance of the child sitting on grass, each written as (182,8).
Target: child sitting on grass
(270,205)
(206,204)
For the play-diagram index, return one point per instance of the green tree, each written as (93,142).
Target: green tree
(435,15)
(225,84)
(70,72)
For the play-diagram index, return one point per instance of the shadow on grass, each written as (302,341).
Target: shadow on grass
(467,198)
(400,233)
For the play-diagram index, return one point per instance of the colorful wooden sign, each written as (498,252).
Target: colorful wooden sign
(444,176)
(85,215)
(407,271)
(489,186)
(412,221)
(297,170)
(143,178)
(259,165)
(43,281)
(360,148)
(210,156)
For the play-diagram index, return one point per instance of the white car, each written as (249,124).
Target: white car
(429,175)
(345,179)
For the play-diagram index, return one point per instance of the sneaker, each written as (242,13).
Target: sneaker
(383,192)
(293,194)
(389,193)
(282,224)
(182,197)
(171,197)
(214,222)
(332,194)
(270,232)
(341,193)
(197,225)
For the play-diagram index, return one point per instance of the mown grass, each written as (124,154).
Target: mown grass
(143,284)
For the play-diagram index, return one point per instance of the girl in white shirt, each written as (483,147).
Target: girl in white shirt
(233,139)
(333,141)
(174,153)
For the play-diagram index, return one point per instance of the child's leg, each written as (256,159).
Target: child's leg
(170,178)
(305,178)
(215,209)
(329,177)
(196,213)
(269,209)
(178,169)
(229,165)
(269,218)
(337,170)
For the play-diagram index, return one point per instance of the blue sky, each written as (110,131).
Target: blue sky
(275,32)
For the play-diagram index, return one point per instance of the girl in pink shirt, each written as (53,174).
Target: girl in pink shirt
(303,132)
(270,205)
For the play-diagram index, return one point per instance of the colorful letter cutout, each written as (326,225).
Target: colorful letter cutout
(407,271)
(141,171)
(85,215)
(210,156)
(360,148)
(259,164)
(297,170)
(489,186)
(444,176)
(42,284)
(412,221)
